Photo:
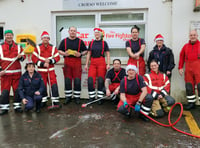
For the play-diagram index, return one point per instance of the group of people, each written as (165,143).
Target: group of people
(133,87)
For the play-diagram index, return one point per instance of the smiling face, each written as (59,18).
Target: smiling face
(154,66)
(193,36)
(116,65)
(131,74)
(45,40)
(134,33)
(72,32)
(159,43)
(97,35)
(8,37)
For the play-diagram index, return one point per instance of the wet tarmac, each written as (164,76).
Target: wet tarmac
(96,126)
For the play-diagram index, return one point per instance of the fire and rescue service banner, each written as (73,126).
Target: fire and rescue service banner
(115,37)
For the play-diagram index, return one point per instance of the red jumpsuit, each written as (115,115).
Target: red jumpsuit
(97,67)
(135,47)
(39,55)
(13,73)
(158,84)
(190,55)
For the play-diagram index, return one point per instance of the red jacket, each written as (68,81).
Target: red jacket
(41,53)
(189,52)
(157,83)
(8,54)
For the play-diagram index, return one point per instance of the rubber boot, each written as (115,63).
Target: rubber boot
(3,112)
(77,100)
(67,100)
(143,117)
(18,110)
(189,106)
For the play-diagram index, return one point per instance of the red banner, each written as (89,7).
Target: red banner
(197,5)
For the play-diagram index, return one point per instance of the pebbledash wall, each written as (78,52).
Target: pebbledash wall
(172,19)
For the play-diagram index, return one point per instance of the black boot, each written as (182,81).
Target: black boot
(189,106)
(18,110)
(67,100)
(37,108)
(77,100)
(143,117)
(100,102)
(3,112)
(43,104)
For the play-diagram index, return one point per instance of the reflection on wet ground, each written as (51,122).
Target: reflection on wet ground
(96,126)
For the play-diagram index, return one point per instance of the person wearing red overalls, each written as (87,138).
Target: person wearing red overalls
(133,92)
(45,56)
(113,78)
(135,49)
(72,48)
(190,55)
(97,49)
(10,75)
(158,86)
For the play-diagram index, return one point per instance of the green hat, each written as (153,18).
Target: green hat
(8,31)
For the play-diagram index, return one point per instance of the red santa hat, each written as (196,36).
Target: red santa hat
(159,37)
(131,66)
(98,30)
(45,34)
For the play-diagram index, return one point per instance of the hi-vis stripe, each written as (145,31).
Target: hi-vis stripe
(43,69)
(8,59)
(154,87)
(42,58)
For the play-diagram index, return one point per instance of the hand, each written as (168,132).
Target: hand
(108,66)
(160,97)
(108,92)
(137,55)
(86,67)
(47,61)
(46,65)
(180,71)
(125,104)
(19,56)
(25,101)
(77,54)
(37,93)
(66,53)
(2,73)
(116,91)
(137,107)
(168,72)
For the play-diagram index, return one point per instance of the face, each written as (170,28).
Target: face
(134,33)
(159,43)
(116,65)
(97,35)
(193,36)
(131,73)
(30,68)
(45,40)
(154,66)
(8,37)
(72,32)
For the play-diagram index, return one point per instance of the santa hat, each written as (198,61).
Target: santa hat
(98,30)
(8,31)
(130,66)
(159,37)
(45,34)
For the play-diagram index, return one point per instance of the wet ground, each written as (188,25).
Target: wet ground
(96,126)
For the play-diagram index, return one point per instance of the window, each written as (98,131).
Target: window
(1,34)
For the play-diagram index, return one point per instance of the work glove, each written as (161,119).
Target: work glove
(125,104)
(137,106)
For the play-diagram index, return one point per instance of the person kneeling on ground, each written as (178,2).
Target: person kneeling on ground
(31,86)
(158,86)
(113,78)
(133,92)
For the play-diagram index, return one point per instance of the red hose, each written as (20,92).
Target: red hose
(169,120)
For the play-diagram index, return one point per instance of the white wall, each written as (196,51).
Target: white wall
(182,16)
(34,16)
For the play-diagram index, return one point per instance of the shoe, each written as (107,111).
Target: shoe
(26,110)
(37,110)
(67,100)
(18,110)
(3,112)
(143,117)
(43,104)
(189,106)
(77,100)
(100,102)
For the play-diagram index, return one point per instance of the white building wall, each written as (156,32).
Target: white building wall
(35,16)
(182,15)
